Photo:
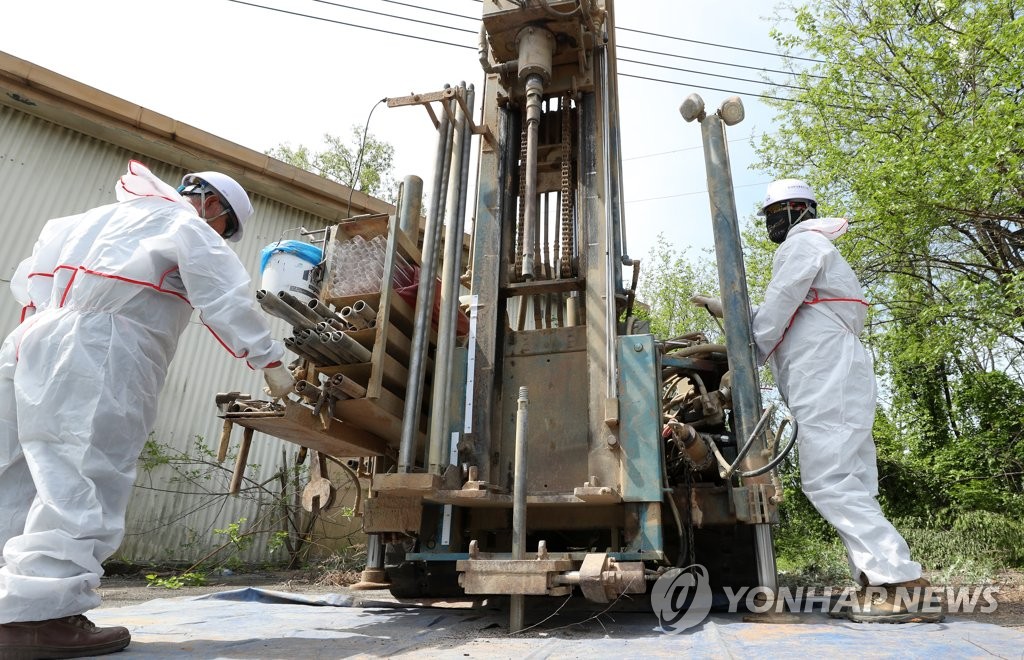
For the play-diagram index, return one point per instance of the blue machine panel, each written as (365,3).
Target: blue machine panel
(639,419)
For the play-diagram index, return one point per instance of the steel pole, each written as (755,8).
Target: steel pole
(518,601)
(449,300)
(410,203)
(425,301)
(746,387)
(534,94)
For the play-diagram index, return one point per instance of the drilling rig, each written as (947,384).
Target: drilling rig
(522,431)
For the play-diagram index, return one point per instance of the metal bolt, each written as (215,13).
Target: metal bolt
(612,440)
(639,348)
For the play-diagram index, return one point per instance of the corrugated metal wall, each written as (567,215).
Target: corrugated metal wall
(48,171)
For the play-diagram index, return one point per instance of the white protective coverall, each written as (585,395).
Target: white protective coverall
(809,327)
(113,290)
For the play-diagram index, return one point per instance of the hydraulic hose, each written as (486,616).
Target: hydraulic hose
(765,416)
(772,464)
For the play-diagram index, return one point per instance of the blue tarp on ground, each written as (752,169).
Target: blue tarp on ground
(255,623)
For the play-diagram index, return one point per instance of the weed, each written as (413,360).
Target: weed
(189,579)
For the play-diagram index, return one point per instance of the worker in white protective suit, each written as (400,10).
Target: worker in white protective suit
(808,327)
(107,294)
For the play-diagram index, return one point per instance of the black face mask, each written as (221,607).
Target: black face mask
(778,223)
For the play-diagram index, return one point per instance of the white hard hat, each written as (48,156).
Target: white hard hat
(229,191)
(787,189)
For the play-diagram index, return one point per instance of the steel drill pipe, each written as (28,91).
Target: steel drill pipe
(347,385)
(438,437)
(273,305)
(318,357)
(335,392)
(353,319)
(365,312)
(299,306)
(311,341)
(357,350)
(336,350)
(410,202)
(424,300)
(300,350)
(323,311)
(331,326)
(307,390)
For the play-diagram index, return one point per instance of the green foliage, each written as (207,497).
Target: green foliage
(153,455)
(338,162)
(239,540)
(197,472)
(808,550)
(667,280)
(277,540)
(189,579)
(972,547)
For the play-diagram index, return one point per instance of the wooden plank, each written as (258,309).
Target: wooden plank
(395,375)
(298,425)
(374,415)
(543,286)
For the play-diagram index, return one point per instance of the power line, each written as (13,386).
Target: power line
(767,97)
(716,75)
(718,62)
(688,194)
(710,43)
(448,43)
(355,25)
(704,43)
(436,11)
(401,18)
(676,151)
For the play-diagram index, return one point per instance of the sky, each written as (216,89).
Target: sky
(263,73)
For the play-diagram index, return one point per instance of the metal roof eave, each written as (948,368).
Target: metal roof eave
(66,102)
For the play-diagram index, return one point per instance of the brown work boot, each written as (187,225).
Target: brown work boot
(68,637)
(903,602)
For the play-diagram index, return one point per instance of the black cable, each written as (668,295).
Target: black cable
(705,43)
(448,43)
(718,62)
(355,25)
(436,11)
(709,43)
(713,89)
(716,75)
(690,194)
(401,18)
(359,157)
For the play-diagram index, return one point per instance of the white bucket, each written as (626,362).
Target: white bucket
(289,272)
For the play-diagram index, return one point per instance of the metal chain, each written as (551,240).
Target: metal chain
(565,190)
(517,258)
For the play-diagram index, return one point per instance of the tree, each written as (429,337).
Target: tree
(667,280)
(339,160)
(907,121)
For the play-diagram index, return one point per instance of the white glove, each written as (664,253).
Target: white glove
(713,305)
(280,382)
